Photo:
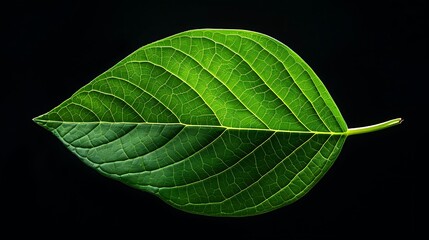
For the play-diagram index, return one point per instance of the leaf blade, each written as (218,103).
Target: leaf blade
(179,118)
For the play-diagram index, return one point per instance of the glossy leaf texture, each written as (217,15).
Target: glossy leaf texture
(215,122)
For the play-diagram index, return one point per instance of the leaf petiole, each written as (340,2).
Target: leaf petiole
(375,127)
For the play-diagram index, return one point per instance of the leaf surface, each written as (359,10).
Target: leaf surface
(213,121)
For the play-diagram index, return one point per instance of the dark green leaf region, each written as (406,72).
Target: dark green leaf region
(214,122)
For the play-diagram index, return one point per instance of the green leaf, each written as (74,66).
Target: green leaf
(212,121)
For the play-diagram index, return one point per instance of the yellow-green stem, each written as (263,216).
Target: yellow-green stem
(375,127)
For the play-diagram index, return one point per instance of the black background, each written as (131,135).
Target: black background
(371,57)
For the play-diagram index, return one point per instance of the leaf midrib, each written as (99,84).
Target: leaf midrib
(41,121)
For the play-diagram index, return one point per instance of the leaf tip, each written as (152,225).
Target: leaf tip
(42,121)
(37,120)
